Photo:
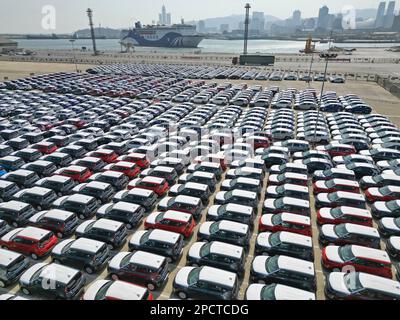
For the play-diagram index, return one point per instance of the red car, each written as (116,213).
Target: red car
(285,222)
(341,215)
(127,168)
(174,221)
(337,149)
(159,185)
(45,147)
(30,240)
(387,193)
(77,173)
(258,142)
(138,158)
(357,258)
(335,185)
(108,156)
(76,122)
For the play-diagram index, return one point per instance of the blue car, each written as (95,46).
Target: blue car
(359,109)
(2,171)
(332,107)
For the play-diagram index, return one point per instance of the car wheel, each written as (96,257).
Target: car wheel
(261,281)
(169,260)
(151,286)
(26,291)
(2,284)
(59,235)
(4,247)
(39,208)
(34,256)
(59,194)
(56,261)
(114,277)
(82,217)
(195,265)
(89,270)
(182,295)
(110,246)
(14,224)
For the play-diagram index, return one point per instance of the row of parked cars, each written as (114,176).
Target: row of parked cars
(142,165)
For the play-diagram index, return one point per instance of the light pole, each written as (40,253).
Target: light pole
(73,51)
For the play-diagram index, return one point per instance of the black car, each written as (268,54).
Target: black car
(334,173)
(12,265)
(27,154)
(314,164)
(92,163)
(41,167)
(16,213)
(83,206)
(361,169)
(23,178)
(200,177)
(146,198)
(90,255)
(40,198)
(217,254)
(4,227)
(246,184)
(60,159)
(129,213)
(206,283)
(76,152)
(283,270)
(7,190)
(103,192)
(289,168)
(285,243)
(61,185)
(109,231)
(288,190)
(192,189)
(167,173)
(68,283)
(118,180)
(139,267)
(165,243)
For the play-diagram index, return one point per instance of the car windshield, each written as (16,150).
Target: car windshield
(276,219)
(341,230)
(272,264)
(214,227)
(377,179)
(280,189)
(393,205)
(275,239)
(330,184)
(205,250)
(268,292)
(327,172)
(333,197)
(193,276)
(346,253)
(352,282)
(385,191)
(101,294)
(279,203)
(336,213)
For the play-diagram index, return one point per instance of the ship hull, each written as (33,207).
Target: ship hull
(169,40)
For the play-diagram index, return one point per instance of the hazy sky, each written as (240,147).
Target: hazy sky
(25,16)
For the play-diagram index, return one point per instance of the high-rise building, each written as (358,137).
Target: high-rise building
(296,18)
(224,27)
(164,17)
(323,18)
(257,22)
(396,23)
(201,27)
(389,17)
(380,16)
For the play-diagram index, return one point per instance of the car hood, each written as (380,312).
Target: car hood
(213,211)
(151,218)
(388,223)
(182,276)
(263,239)
(368,180)
(94,288)
(194,250)
(258,264)
(205,228)
(323,197)
(254,291)
(272,190)
(332,253)
(320,184)
(381,206)
(328,230)
(325,213)
(269,203)
(60,246)
(374,192)
(273,178)
(220,196)
(336,280)
(115,262)
(266,219)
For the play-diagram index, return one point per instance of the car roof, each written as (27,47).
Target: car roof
(151,179)
(355,211)
(126,206)
(226,249)
(359,229)
(33,233)
(291,293)
(346,182)
(233,226)
(60,273)
(79,198)
(296,202)
(147,259)
(58,178)
(296,238)
(7,257)
(187,199)
(350,195)
(370,253)
(295,218)
(107,224)
(217,276)
(39,191)
(249,181)
(379,283)
(57,214)
(164,236)
(125,291)
(177,215)
(14,205)
(297,265)
(239,208)
(87,245)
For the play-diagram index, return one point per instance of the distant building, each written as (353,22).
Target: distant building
(7,45)
(380,16)
(241,25)
(257,23)
(224,28)
(296,18)
(163,17)
(323,18)
(309,24)
(337,22)
(201,26)
(396,23)
(389,17)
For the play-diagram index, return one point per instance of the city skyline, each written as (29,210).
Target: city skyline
(70,20)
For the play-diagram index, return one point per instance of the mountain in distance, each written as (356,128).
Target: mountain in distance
(232,20)
(101,32)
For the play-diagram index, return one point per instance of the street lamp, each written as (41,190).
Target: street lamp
(73,51)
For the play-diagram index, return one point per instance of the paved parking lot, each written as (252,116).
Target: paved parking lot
(214,122)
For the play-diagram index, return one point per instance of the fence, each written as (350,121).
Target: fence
(393,86)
